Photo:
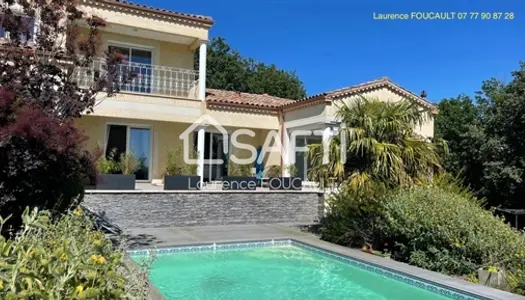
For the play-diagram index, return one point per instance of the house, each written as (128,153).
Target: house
(168,96)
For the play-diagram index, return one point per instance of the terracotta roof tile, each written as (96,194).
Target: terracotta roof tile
(371,83)
(383,81)
(255,100)
(267,101)
(366,86)
(199,18)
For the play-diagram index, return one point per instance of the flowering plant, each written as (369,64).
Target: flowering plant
(64,259)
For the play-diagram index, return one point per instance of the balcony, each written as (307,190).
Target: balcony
(147,79)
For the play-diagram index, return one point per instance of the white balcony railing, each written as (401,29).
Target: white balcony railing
(147,79)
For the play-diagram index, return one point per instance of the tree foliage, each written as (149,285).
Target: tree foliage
(381,146)
(446,232)
(387,201)
(41,158)
(487,139)
(228,70)
(383,152)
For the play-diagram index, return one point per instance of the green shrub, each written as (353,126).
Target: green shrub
(292,169)
(128,163)
(175,164)
(274,171)
(353,216)
(108,164)
(239,170)
(454,184)
(447,232)
(65,259)
(440,227)
(277,171)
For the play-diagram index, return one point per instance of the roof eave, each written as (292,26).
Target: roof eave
(205,21)
(242,106)
(392,86)
(312,100)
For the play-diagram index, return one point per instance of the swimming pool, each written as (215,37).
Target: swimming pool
(283,269)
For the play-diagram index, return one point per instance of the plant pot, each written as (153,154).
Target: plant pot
(115,182)
(492,279)
(285,183)
(239,183)
(182,183)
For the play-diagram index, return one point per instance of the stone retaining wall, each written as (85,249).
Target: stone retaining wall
(141,209)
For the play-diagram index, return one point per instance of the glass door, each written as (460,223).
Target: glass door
(300,158)
(140,146)
(213,150)
(141,66)
(302,163)
(116,140)
(137,140)
(137,62)
(217,149)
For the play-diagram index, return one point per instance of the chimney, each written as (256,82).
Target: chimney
(238,93)
(265,94)
(423,94)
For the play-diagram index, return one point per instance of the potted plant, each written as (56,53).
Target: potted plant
(492,276)
(277,182)
(117,175)
(179,175)
(239,178)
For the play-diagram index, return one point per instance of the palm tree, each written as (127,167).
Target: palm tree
(381,146)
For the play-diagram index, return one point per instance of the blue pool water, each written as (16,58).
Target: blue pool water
(277,272)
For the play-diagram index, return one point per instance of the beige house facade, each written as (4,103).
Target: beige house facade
(169,99)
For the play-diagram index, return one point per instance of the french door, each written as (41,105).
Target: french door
(302,163)
(138,62)
(213,150)
(134,139)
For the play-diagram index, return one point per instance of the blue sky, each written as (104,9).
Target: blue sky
(336,43)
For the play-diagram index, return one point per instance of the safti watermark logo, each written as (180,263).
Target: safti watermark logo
(202,123)
(293,183)
(272,143)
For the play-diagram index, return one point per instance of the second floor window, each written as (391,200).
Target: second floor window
(28,23)
(134,55)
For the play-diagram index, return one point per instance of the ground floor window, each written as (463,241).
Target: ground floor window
(134,139)
(302,163)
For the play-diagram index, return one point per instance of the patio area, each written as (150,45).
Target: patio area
(171,236)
